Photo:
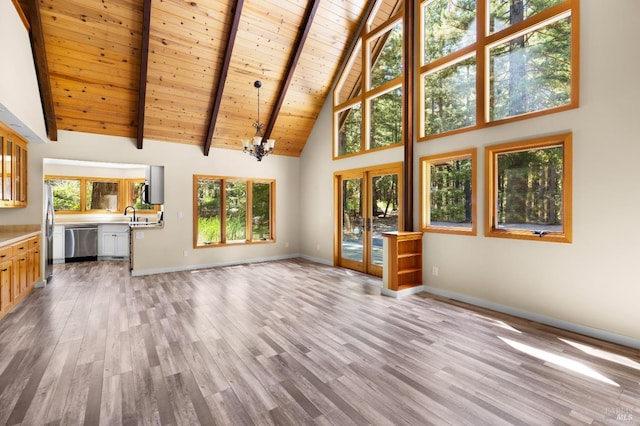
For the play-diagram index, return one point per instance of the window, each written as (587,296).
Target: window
(368,96)
(232,210)
(448,192)
(67,194)
(133,195)
(87,194)
(102,195)
(485,62)
(529,189)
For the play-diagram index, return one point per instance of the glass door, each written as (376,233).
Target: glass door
(352,221)
(384,208)
(368,204)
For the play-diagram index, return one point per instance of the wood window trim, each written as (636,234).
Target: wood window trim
(248,225)
(490,155)
(123,193)
(365,93)
(425,199)
(481,48)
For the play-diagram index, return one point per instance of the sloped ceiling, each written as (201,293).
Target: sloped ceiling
(197,73)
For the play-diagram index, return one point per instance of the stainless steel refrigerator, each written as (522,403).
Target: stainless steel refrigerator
(49,221)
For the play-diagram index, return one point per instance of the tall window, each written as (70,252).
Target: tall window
(489,61)
(232,210)
(448,192)
(368,96)
(529,189)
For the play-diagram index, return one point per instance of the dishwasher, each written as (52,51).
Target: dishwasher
(80,243)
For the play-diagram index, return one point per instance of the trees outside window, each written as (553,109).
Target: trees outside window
(368,96)
(529,189)
(448,192)
(232,210)
(486,62)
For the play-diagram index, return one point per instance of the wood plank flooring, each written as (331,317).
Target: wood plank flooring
(292,343)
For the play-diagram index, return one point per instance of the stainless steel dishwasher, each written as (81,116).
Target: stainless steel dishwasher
(80,243)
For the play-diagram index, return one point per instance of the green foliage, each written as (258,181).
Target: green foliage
(350,130)
(387,64)
(448,26)
(66,194)
(451,192)
(530,187)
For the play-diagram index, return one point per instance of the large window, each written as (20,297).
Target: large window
(448,192)
(528,187)
(485,62)
(88,194)
(368,111)
(232,210)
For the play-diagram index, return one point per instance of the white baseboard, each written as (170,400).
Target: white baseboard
(403,293)
(554,322)
(139,273)
(315,259)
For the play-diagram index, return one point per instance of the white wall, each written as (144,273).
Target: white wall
(19,96)
(163,249)
(591,285)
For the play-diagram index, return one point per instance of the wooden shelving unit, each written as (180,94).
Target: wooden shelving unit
(405,260)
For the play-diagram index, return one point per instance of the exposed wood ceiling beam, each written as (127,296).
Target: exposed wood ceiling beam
(144,61)
(42,69)
(223,74)
(305,26)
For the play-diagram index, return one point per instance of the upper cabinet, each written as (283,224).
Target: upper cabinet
(13,168)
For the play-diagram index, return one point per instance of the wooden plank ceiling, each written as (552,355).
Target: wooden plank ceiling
(94,58)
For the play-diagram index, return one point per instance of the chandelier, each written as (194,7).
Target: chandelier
(258,147)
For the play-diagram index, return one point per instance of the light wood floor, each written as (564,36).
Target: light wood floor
(292,342)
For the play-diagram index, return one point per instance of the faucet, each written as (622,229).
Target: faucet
(134,212)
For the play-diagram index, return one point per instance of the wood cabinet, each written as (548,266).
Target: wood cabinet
(20,270)
(404,260)
(13,168)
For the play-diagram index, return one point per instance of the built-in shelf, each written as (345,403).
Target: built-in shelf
(404,260)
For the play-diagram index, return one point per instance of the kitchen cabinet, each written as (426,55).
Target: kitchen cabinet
(114,241)
(58,244)
(19,271)
(13,168)
(6,280)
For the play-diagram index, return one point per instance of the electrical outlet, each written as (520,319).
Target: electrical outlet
(434,271)
(318,246)
(139,235)
(185,253)
(286,244)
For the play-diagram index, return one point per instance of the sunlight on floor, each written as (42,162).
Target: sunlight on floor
(602,354)
(559,360)
(499,323)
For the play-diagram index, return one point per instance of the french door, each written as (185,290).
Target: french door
(368,203)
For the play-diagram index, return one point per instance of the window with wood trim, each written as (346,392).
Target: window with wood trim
(368,96)
(448,192)
(229,210)
(485,62)
(528,189)
(89,194)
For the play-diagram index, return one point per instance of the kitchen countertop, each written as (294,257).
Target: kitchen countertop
(128,223)
(13,233)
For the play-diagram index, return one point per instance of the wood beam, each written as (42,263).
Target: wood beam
(144,62)
(231,41)
(305,26)
(42,68)
(408,107)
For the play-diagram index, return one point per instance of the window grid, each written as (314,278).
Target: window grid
(484,42)
(225,225)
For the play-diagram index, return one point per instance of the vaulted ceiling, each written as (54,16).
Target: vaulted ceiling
(194,84)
